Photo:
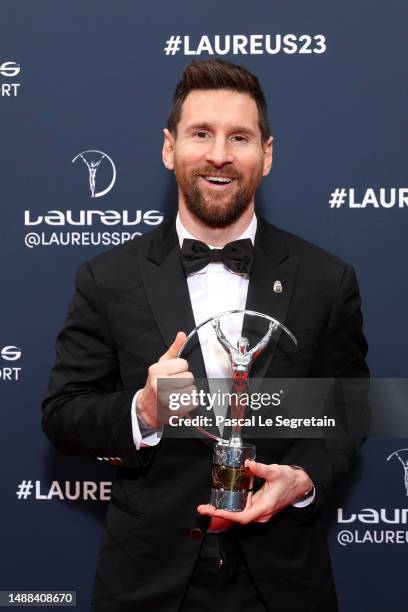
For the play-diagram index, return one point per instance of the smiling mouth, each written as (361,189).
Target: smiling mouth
(219,181)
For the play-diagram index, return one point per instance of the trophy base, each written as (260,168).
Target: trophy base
(233,501)
(231,480)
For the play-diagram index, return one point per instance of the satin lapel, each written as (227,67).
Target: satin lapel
(169,299)
(273,268)
(167,293)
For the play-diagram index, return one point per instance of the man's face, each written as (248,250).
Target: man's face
(218,156)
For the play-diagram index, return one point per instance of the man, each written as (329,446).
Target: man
(163,547)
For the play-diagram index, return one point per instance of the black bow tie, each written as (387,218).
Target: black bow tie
(237,255)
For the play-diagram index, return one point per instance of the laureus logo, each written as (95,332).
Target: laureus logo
(9,69)
(401,455)
(92,160)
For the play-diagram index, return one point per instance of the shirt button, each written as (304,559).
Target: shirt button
(196,534)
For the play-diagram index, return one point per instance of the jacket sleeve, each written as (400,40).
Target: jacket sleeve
(86,412)
(341,356)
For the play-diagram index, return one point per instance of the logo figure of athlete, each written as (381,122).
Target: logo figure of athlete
(404,463)
(92,167)
(241,358)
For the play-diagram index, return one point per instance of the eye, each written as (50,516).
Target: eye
(239,138)
(201,134)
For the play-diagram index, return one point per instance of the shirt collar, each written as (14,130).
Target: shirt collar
(250,231)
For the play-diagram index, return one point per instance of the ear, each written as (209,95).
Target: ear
(168,150)
(267,151)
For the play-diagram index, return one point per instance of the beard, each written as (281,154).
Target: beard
(215,208)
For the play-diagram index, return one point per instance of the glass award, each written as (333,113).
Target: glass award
(232,482)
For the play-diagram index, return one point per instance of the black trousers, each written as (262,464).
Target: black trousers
(221,581)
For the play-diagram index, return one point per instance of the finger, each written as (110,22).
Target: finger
(172,352)
(169,367)
(180,388)
(257,511)
(177,387)
(262,470)
(253,514)
(179,395)
(186,376)
(208,510)
(184,410)
(177,403)
(180,412)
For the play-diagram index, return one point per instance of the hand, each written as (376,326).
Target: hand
(154,409)
(283,486)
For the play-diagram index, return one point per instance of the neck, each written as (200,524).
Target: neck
(217,237)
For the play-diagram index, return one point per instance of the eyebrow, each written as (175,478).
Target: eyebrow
(203,125)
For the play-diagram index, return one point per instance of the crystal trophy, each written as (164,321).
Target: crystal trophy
(232,482)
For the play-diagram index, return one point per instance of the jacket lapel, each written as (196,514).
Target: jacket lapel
(168,296)
(273,268)
(167,293)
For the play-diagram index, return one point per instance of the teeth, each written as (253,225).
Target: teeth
(218,179)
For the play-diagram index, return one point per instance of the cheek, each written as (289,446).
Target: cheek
(249,163)
(189,156)
(251,168)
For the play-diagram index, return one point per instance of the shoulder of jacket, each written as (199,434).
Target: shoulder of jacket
(310,252)
(137,246)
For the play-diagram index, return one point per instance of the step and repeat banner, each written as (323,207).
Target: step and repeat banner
(85,88)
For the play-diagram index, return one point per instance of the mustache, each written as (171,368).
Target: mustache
(208,171)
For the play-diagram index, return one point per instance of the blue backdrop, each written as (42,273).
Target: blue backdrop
(78,76)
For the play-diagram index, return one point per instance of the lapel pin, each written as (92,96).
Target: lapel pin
(277,286)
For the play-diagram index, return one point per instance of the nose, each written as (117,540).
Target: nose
(218,153)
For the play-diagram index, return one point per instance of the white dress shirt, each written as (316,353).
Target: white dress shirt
(214,289)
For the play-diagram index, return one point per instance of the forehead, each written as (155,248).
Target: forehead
(221,107)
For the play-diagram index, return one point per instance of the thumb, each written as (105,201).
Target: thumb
(262,470)
(171,353)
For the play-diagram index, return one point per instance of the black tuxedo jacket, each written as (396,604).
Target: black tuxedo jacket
(128,305)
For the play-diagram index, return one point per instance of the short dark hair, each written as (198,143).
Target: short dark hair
(218,74)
